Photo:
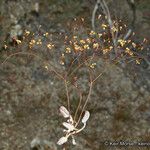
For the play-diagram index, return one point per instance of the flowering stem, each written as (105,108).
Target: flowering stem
(31,54)
(67,94)
(88,97)
(79,104)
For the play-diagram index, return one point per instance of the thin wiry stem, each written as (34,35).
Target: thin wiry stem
(133,8)
(72,63)
(90,90)
(97,77)
(67,94)
(111,25)
(81,64)
(94,14)
(110,22)
(79,104)
(114,34)
(26,53)
(87,99)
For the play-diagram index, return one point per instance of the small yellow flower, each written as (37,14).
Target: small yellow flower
(77,47)
(39,42)
(82,41)
(75,37)
(70,42)
(145,40)
(104,26)
(31,43)
(18,41)
(111,47)
(45,34)
(88,40)
(50,46)
(92,65)
(99,35)
(141,48)
(68,50)
(134,45)
(46,67)
(120,27)
(27,32)
(114,29)
(106,50)
(122,42)
(96,45)
(86,46)
(127,50)
(92,32)
(138,62)
(82,19)
(62,62)
(129,41)
(5,46)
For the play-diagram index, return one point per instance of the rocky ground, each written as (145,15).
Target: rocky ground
(30,97)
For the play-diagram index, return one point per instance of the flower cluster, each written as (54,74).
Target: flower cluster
(71,126)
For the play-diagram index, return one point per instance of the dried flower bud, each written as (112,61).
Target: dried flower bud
(85,117)
(62,140)
(69,126)
(73,141)
(64,112)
